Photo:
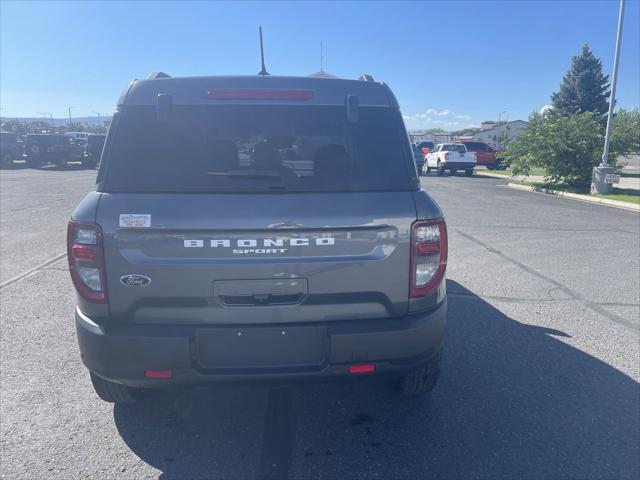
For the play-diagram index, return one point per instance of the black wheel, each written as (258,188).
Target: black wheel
(7,160)
(428,170)
(468,172)
(440,170)
(453,171)
(91,164)
(113,392)
(423,380)
(490,167)
(32,162)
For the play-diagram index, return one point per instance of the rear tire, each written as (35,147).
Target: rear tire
(113,392)
(423,380)
(468,172)
(33,163)
(453,171)
(440,170)
(6,161)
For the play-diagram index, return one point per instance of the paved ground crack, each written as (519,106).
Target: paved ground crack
(571,293)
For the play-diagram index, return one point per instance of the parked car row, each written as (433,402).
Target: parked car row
(461,155)
(38,150)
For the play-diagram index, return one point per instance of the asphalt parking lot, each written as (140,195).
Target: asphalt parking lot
(539,380)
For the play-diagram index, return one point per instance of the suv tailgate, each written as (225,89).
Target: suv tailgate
(258,258)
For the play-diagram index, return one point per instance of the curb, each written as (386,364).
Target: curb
(576,196)
(485,173)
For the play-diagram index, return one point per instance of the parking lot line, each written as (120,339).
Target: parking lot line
(51,261)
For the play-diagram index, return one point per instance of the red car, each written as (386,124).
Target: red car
(485,154)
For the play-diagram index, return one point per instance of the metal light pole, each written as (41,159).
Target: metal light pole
(614,80)
(98,113)
(500,127)
(598,182)
(70,116)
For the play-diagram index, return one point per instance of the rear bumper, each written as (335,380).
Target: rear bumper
(123,353)
(458,165)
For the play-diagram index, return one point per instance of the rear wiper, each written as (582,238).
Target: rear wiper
(248,174)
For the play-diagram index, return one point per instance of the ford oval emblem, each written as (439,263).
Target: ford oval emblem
(135,280)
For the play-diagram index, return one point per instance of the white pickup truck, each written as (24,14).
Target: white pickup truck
(450,156)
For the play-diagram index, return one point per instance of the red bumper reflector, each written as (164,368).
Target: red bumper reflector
(258,93)
(157,373)
(365,368)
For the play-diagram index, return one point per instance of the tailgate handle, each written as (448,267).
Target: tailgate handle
(260,292)
(261,299)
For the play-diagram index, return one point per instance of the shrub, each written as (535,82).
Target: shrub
(567,147)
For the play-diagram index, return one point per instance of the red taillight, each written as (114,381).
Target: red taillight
(446,156)
(86,260)
(365,368)
(428,256)
(258,93)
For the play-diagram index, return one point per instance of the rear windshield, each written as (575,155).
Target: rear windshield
(475,146)
(258,149)
(454,147)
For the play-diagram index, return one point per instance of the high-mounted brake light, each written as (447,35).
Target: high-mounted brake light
(86,260)
(158,374)
(362,368)
(428,256)
(258,93)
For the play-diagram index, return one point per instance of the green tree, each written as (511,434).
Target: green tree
(584,88)
(625,133)
(567,147)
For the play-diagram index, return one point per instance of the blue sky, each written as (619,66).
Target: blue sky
(451,64)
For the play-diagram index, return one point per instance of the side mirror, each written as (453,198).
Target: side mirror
(163,107)
(352,106)
(425,151)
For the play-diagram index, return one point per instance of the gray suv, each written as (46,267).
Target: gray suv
(257,229)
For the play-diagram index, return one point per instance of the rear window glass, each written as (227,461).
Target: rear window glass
(258,149)
(454,147)
(475,146)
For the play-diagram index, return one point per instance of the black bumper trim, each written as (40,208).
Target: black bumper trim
(121,353)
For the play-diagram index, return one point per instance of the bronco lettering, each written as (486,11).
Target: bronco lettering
(266,242)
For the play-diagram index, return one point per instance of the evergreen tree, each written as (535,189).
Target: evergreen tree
(584,87)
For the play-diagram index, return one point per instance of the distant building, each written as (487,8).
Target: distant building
(488,124)
(426,136)
(323,74)
(506,130)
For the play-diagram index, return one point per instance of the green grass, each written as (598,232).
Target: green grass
(619,194)
(536,171)
(622,195)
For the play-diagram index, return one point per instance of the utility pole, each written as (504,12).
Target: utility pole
(44,116)
(98,113)
(500,127)
(70,116)
(598,181)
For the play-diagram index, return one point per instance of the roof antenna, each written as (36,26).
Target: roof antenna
(264,70)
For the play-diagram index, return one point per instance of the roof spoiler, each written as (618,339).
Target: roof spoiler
(154,75)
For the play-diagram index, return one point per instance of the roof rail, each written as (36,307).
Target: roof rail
(154,75)
(366,77)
